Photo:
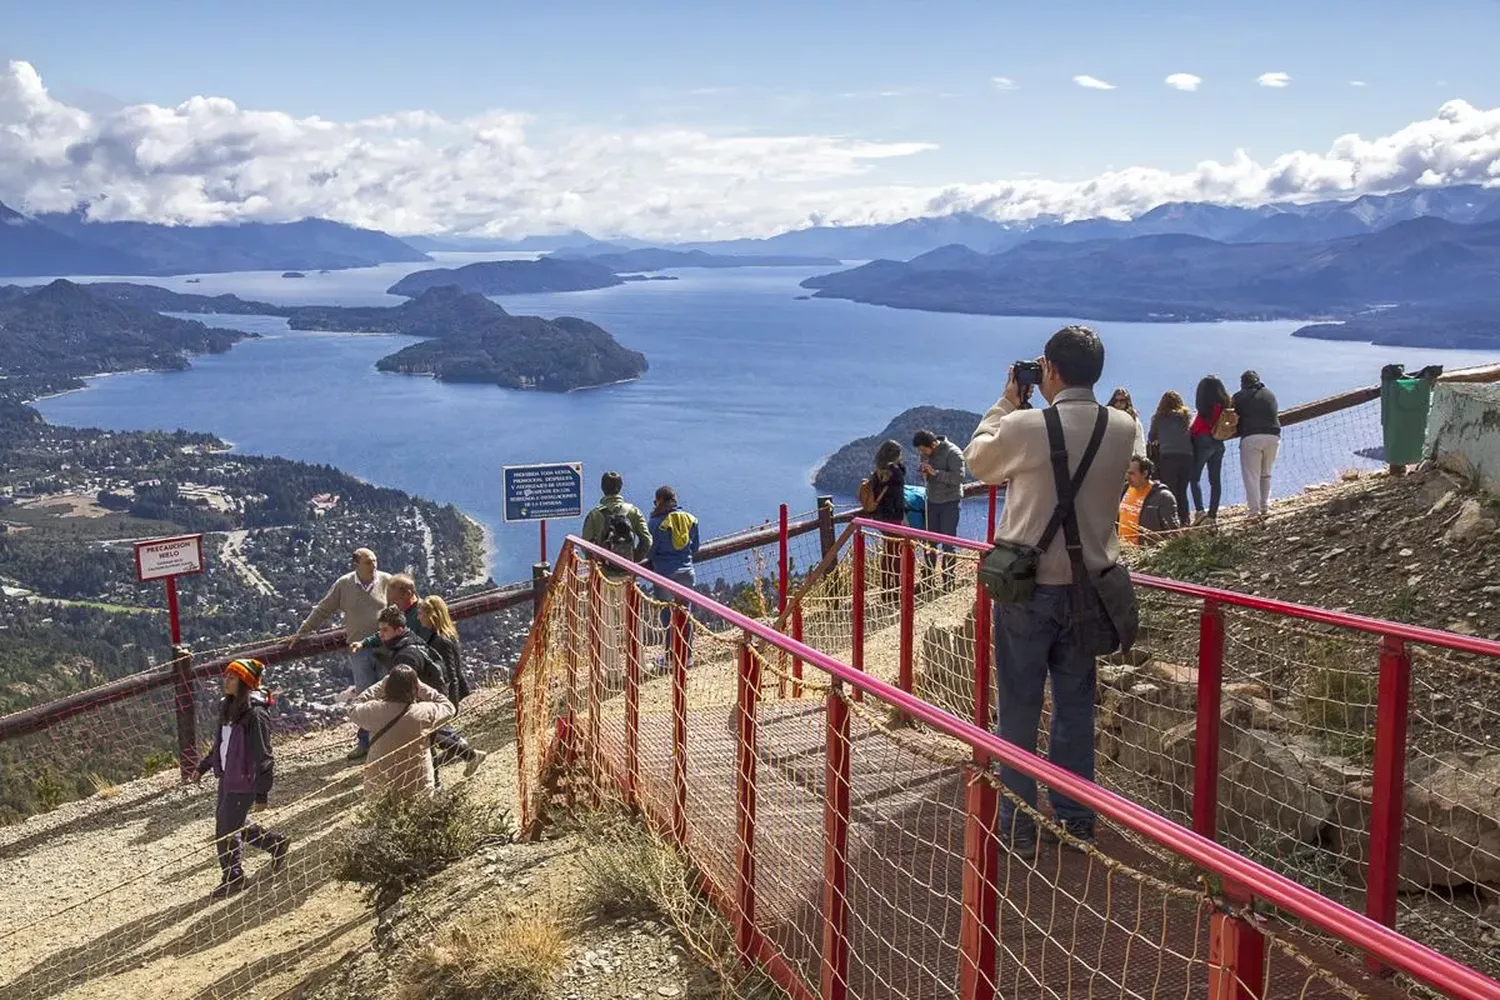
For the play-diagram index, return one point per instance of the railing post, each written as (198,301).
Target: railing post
(906,679)
(746,751)
(595,625)
(570,716)
(989,535)
(539,574)
(983,656)
(827,537)
(981,890)
(679,655)
(783,575)
(186,705)
(834,977)
(1236,959)
(797,660)
(1388,798)
(632,695)
(857,604)
(1210,699)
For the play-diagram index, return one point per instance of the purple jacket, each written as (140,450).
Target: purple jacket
(248,765)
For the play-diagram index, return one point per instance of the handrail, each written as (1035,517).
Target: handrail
(1287,609)
(1382,943)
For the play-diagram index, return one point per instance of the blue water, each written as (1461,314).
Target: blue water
(748,389)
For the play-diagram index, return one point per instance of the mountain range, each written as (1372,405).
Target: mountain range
(69,244)
(1425,263)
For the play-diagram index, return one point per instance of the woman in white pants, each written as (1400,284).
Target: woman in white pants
(1260,440)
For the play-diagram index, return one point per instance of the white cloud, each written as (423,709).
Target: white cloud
(1357,83)
(1003,83)
(1183,81)
(1273,79)
(502,173)
(1092,82)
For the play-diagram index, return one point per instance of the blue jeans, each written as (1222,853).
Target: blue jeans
(942,519)
(1032,642)
(1208,454)
(362,665)
(686,577)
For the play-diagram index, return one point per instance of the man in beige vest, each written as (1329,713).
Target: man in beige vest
(359,596)
(1035,640)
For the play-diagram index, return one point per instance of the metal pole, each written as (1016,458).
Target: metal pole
(749,689)
(172,615)
(1388,796)
(835,970)
(1210,697)
(544,541)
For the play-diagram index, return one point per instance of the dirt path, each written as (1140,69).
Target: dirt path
(232,552)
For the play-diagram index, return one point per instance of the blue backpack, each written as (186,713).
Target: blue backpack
(916,507)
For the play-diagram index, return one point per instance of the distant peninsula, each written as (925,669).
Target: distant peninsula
(511,277)
(472,339)
(655,259)
(1178,277)
(842,471)
(1472,326)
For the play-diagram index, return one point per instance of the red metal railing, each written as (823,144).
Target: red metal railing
(1236,946)
(1392,706)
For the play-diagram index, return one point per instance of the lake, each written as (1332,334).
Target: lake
(749,388)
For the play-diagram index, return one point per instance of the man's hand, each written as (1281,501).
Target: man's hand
(1013,389)
(293,641)
(353,648)
(927,470)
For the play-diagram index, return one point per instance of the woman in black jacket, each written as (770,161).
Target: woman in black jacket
(1260,438)
(441,636)
(888,484)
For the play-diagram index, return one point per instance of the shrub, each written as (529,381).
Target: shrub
(400,840)
(1190,554)
(489,959)
(1338,703)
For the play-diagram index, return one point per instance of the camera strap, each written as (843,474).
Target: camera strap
(1065,517)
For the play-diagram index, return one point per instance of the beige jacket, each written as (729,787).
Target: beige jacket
(400,759)
(1010,446)
(360,607)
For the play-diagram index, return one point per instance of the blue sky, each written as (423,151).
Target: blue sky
(879,72)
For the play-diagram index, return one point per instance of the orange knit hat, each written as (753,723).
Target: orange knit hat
(248,671)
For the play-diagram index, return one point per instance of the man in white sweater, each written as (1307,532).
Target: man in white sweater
(359,596)
(1035,640)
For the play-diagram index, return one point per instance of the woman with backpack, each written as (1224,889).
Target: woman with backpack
(242,760)
(441,636)
(674,545)
(883,497)
(400,712)
(1170,446)
(1212,426)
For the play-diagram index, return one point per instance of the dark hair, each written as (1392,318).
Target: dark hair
(1211,393)
(923,439)
(1250,379)
(1077,354)
(401,684)
(1148,467)
(235,705)
(611,483)
(392,616)
(666,498)
(889,453)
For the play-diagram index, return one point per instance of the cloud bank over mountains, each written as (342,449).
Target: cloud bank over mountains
(208,160)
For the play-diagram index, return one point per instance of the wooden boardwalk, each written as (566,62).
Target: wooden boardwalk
(1069,924)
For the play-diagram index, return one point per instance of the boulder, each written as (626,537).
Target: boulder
(1264,786)
(1471,525)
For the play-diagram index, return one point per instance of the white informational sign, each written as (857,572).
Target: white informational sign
(160,558)
(543,492)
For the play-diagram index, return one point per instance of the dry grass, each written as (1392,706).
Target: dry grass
(495,958)
(103,787)
(627,872)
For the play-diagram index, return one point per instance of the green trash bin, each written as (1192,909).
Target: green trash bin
(1404,402)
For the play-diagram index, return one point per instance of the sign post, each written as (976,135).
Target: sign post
(167,559)
(542,492)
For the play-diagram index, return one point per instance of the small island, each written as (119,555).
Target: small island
(841,472)
(511,277)
(657,259)
(293,274)
(472,339)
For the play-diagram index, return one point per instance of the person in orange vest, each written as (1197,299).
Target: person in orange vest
(1148,510)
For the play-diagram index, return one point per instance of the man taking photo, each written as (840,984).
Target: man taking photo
(1041,636)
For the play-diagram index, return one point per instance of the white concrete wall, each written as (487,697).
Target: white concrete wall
(1463,431)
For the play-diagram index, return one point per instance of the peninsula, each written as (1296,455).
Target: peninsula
(842,471)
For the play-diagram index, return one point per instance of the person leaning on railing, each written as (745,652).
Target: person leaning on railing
(1039,636)
(359,596)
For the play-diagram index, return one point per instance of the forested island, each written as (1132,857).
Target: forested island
(657,259)
(842,471)
(512,277)
(1473,326)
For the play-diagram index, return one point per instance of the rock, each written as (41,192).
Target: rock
(668,991)
(1442,503)
(945,670)
(1265,787)
(1471,524)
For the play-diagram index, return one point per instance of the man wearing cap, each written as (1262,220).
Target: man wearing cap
(360,596)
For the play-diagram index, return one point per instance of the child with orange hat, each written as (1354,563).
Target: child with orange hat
(242,760)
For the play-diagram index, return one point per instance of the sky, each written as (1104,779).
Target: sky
(695,120)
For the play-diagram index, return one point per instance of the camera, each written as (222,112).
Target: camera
(1027,373)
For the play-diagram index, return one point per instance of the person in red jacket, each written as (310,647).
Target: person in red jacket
(1208,451)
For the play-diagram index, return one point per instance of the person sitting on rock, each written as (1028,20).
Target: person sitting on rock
(1148,510)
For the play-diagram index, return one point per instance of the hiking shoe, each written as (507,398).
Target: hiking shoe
(233,883)
(474,762)
(358,753)
(278,853)
(1080,832)
(1022,845)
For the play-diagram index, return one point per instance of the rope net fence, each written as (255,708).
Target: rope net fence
(836,838)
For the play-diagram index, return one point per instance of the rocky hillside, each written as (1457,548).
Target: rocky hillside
(841,472)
